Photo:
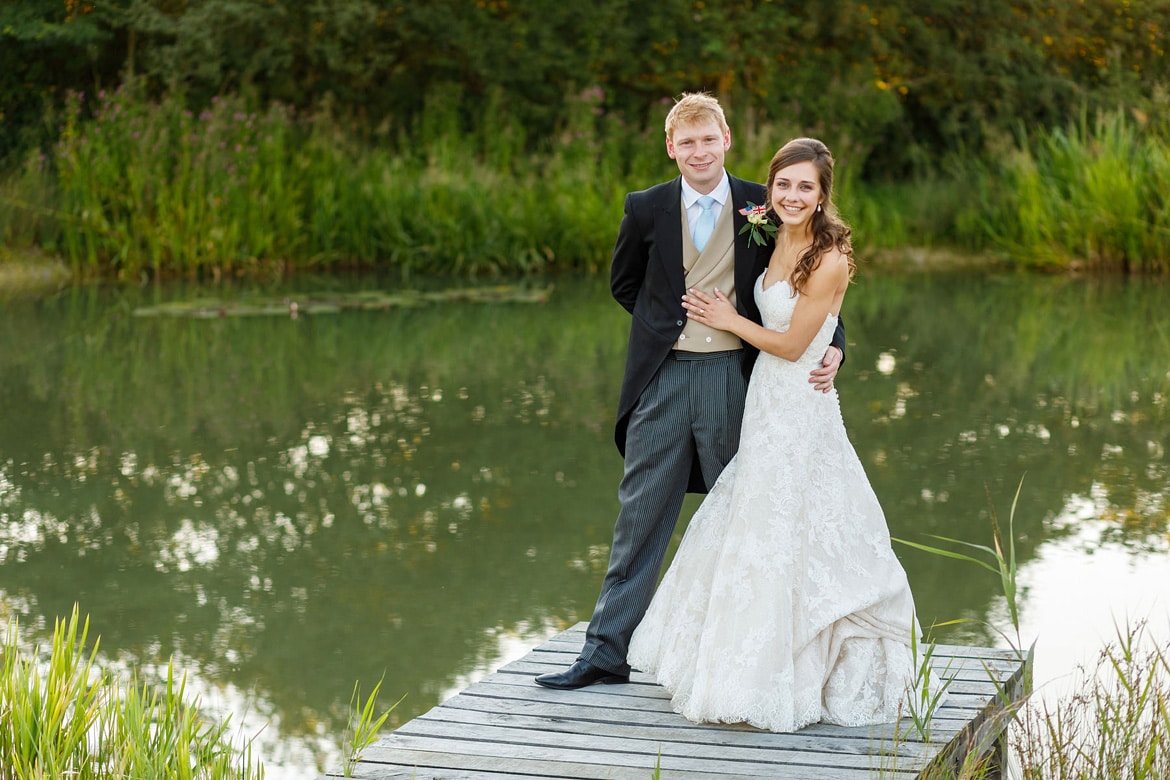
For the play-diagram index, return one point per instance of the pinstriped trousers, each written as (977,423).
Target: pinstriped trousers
(693,408)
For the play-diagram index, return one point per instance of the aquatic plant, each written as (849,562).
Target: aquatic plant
(62,716)
(364,725)
(1115,723)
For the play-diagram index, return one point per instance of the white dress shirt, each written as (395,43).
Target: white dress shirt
(690,200)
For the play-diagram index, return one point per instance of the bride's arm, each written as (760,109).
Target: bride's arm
(816,301)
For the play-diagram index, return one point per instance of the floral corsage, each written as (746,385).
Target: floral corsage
(758,224)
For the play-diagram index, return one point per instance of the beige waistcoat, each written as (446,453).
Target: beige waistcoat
(704,271)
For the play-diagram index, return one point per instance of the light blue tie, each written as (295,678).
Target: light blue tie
(705,223)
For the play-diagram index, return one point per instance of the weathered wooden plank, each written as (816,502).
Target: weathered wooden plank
(985,733)
(571,642)
(597,740)
(514,755)
(426,765)
(964,651)
(961,672)
(968,666)
(645,697)
(526,668)
(887,732)
(670,731)
(586,719)
(415,772)
(576,633)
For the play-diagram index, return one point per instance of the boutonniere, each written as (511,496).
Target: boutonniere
(758,224)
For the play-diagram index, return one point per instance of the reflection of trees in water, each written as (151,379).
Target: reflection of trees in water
(323,562)
(299,504)
(410,485)
(987,381)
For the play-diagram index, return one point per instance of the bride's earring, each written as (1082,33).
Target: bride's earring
(820,208)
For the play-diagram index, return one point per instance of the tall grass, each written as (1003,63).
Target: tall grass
(28,206)
(155,189)
(135,188)
(364,725)
(1091,194)
(1116,723)
(63,717)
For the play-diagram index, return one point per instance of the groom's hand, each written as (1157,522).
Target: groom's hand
(822,378)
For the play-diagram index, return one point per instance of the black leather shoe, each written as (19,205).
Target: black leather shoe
(580,675)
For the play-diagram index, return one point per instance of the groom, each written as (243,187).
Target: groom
(683,392)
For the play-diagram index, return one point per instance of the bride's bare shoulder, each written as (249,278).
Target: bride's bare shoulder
(833,267)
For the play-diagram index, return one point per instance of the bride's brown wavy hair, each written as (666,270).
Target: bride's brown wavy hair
(828,229)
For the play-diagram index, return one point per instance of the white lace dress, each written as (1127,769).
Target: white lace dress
(785,604)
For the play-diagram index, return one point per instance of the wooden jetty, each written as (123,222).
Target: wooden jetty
(506,727)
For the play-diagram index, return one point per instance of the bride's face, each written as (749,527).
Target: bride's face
(796,193)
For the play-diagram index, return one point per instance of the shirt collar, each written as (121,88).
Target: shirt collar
(721,193)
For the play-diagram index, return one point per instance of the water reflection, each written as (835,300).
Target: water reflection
(287,506)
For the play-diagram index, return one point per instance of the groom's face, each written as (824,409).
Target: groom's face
(699,150)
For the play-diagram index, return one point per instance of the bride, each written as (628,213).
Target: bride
(785,604)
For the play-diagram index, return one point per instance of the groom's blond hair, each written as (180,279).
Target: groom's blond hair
(695,108)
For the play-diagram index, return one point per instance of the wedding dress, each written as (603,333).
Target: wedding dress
(785,604)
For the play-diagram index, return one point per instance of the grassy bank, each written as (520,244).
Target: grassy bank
(64,716)
(135,189)
(142,189)
(1093,194)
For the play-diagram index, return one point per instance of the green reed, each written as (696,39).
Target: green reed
(923,700)
(363,727)
(142,188)
(928,690)
(48,710)
(28,201)
(156,189)
(138,188)
(1116,723)
(62,716)
(1090,194)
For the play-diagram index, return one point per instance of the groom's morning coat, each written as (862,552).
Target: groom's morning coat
(647,278)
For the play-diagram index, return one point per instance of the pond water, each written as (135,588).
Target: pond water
(287,505)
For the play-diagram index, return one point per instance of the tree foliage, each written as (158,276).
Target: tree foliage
(901,81)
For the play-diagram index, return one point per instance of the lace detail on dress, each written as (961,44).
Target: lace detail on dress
(785,604)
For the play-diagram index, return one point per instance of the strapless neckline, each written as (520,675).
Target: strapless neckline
(764,288)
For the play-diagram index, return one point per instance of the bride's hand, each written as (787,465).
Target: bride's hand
(712,310)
